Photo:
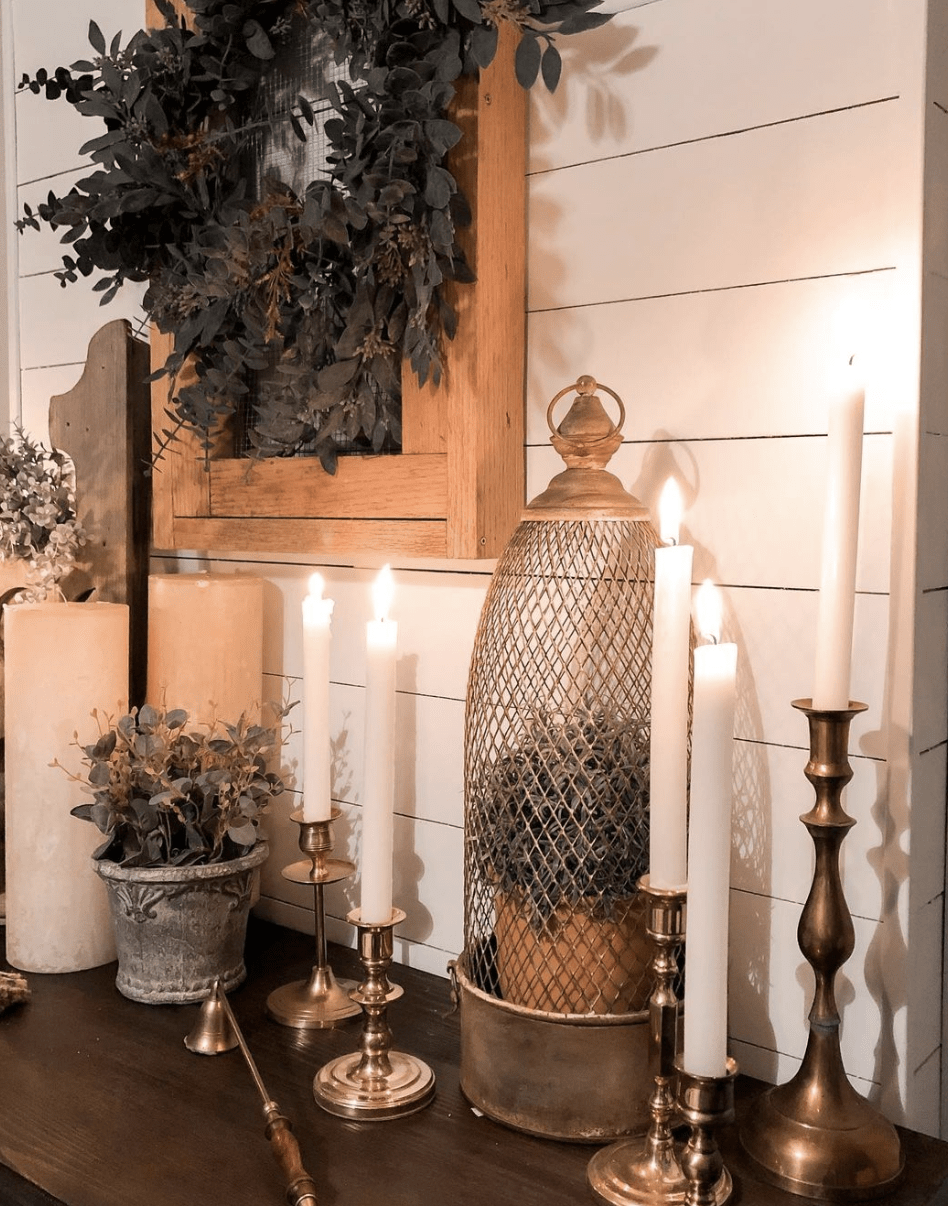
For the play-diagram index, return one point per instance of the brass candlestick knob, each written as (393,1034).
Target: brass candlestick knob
(375,1082)
(815,1135)
(705,1103)
(647,1171)
(322,1001)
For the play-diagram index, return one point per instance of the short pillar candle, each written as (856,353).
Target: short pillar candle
(205,645)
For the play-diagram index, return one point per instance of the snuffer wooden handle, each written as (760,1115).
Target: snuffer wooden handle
(300,1187)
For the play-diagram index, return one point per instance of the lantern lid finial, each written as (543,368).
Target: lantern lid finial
(586,440)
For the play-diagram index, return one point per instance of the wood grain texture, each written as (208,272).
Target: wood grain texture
(363,487)
(409,537)
(485,373)
(103,423)
(182,484)
(101,1104)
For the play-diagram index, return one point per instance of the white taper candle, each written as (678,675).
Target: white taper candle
(379,777)
(834,633)
(709,849)
(671,648)
(317,620)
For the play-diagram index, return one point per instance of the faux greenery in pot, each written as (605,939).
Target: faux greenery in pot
(167,795)
(179,811)
(561,834)
(334,281)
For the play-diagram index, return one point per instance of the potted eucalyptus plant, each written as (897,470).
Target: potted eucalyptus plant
(562,838)
(178,808)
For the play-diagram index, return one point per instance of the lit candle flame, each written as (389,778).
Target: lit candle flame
(670,509)
(708,609)
(316,586)
(383,590)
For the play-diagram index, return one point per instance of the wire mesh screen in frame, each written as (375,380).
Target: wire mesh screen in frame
(278,159)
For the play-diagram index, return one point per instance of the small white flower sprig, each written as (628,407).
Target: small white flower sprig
(38,522)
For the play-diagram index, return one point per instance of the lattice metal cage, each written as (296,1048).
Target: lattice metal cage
(557,742)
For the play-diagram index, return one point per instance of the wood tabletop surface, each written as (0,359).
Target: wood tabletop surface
(101,1104)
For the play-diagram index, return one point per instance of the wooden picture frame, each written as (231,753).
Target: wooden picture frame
(456,489)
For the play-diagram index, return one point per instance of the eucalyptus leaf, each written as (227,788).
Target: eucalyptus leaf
(243,281)
(527,59)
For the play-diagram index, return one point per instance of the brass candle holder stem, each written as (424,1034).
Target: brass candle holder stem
(815,1135)
(322,1001)
(705,1103)
(375,1082)
(646,1170)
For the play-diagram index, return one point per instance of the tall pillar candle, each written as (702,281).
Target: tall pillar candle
(63,660)
(834,633)
(709,849)
(378,801)
(317,766)
(205,644)
(671,656)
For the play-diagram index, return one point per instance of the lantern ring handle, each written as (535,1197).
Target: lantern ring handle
(587,385)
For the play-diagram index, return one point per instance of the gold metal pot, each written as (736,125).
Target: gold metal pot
(556,1075)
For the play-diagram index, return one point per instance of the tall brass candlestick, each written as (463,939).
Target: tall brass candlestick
(375,1082)
(646,1171)
(322,1001)
(815,1135)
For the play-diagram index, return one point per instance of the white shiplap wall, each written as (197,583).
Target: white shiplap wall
(721,193)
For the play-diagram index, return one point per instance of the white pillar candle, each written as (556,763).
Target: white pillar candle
(205,644)
(834,633)
(671,655)
(378,792)
(317,619)
(62,661)
(709,848)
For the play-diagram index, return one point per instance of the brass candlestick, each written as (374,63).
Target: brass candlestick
(646,1171)
(815,1135)
(375,1082)
(705,1103)
(322,1001)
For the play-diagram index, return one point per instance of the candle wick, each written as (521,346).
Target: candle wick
(672,542)
(710,637)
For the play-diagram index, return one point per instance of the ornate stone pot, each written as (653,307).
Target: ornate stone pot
(178,929)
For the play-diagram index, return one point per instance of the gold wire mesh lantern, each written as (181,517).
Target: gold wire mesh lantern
(557,741)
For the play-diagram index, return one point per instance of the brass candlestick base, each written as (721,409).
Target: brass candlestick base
(706,1102)
(322,1001)
(647,1171)
(815,1135)
(375,1082)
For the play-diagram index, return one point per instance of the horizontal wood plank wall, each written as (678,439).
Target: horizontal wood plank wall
(722,197)
(713,187)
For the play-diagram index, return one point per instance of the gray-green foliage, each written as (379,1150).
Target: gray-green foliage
(337,283)
(167,795)
(562,819)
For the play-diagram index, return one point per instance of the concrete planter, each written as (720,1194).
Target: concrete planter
(178,929)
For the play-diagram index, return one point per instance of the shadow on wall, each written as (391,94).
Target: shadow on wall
(887,964)
(751,819)
(605,54)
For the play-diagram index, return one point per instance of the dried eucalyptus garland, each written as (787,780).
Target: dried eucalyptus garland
(329,286)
